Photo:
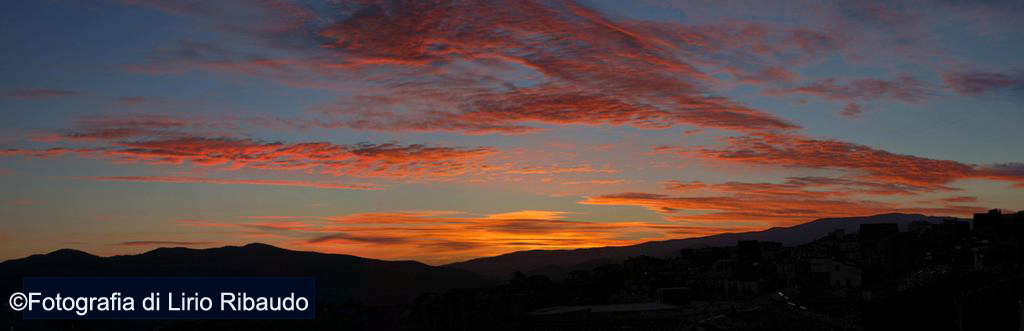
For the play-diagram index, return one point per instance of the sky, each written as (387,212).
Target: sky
(441,131)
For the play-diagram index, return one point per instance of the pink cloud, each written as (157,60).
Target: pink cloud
(360,160)
(805,152)
(620,74)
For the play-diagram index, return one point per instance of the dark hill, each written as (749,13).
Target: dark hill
(338,277)
(553,262)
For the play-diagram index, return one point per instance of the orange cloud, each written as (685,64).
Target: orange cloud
(441,236)
(764,210)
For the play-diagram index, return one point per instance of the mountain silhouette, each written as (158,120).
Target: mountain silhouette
(343,277)
(339,277)
(559,262)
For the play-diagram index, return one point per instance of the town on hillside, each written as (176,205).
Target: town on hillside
(949,275)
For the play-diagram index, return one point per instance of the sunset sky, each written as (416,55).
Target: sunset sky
(445,130)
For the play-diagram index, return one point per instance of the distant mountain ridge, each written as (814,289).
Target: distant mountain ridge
(559,261)
(342,277)
(339,277)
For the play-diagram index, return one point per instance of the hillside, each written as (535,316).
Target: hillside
(338,277)
(553,262)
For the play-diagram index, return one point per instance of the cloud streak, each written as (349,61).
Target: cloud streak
(981,82)
(459,66)
(224,181)
(38,93)
(800,151)
(902,88)
(358,160)
(165,243)
(446,236)
(777,210)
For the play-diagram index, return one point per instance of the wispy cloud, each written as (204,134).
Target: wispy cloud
(360,160)
(620,74)
(38,93)
(960,199)
(800,151)
(151,101)
(902,88)
(224,181)
(852,110)
(763,209)
(980,82)
(166,243)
